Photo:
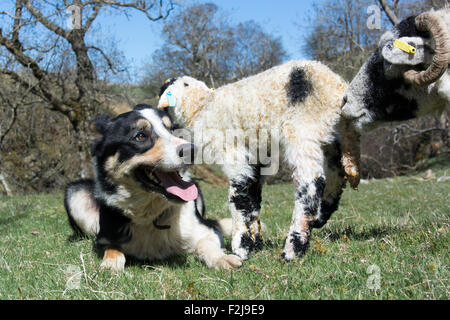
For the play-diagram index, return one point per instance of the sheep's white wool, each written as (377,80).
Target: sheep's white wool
(296,106)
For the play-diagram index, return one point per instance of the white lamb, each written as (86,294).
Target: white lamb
(297,106)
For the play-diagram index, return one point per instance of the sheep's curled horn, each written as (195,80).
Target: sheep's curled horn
(430,21)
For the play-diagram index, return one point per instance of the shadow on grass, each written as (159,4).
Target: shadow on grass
(367,233)
(8,220)
(174,262)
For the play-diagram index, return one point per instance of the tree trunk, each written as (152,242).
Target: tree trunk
(5,185)
(83,149)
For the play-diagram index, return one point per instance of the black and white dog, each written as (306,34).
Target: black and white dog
(141,202)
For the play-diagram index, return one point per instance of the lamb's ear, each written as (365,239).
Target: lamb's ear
(398,56)
(100,124)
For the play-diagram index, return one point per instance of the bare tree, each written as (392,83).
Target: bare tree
(339,35)
(200,42)
(53,60)
(392,13)
(393,10)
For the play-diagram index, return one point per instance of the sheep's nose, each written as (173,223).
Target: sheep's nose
(186,152)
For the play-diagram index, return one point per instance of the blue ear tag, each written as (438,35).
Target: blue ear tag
(171,99)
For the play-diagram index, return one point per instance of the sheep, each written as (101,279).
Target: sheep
(298,105)
(395,84)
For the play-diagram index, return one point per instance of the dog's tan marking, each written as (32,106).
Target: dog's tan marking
(113,260)
(143,124)
(112,162)
(151,157)
(112,254)
(167,122)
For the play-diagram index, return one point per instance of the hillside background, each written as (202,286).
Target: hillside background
(54,81)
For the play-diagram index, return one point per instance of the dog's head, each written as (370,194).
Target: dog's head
(139,148)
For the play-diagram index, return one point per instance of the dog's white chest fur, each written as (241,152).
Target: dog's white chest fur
(151,243)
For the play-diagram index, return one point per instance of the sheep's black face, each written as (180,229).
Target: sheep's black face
(377,93)
(373,98)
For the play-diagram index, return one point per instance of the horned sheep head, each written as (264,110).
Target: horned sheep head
(395,85)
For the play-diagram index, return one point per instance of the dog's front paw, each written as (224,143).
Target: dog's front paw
(113,260)
(226,262)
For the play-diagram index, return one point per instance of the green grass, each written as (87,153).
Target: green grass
(400,225)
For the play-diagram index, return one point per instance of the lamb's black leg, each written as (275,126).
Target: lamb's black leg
(306,207)
(245,204)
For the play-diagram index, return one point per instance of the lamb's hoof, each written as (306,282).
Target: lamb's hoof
(287,256)
(353,177)
(228,262)
(115,265)
(296,246)
(291,256)
(246,244)
(351,168)
(354,180)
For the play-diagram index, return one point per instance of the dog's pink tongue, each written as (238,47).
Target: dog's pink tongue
(173,184)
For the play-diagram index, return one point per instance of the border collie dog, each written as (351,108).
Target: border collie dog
(141,202)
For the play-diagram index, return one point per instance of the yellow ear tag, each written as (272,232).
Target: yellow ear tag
(404,46)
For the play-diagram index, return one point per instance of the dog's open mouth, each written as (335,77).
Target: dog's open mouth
(169,183)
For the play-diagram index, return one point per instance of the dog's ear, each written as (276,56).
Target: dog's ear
(100,124)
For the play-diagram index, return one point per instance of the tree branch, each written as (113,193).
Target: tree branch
(17,19)
(390,14)
(142,6)
(108,61)
(47,23)
(92,17)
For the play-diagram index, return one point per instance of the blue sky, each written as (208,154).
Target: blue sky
(138,38)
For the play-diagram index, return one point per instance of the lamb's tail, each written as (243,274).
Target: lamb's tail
(81,207)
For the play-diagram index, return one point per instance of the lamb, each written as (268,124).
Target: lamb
(298,104)
(396,84)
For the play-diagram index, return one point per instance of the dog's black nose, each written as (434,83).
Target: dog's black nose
(186,152)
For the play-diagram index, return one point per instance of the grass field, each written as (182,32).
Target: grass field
(389,240)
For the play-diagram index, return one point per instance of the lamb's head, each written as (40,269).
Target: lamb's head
(185,96)
(388,84)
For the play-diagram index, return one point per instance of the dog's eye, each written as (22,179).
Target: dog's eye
(140,137)
(186,84)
